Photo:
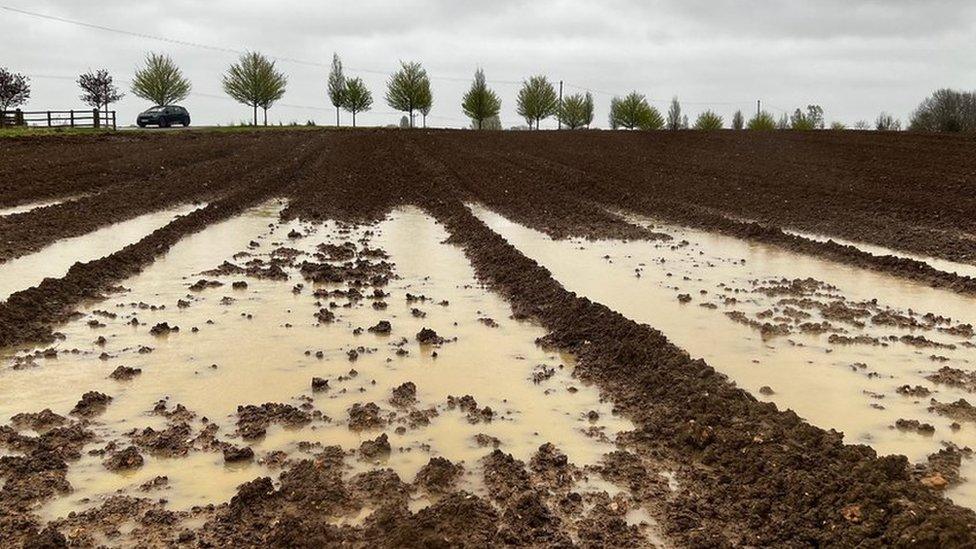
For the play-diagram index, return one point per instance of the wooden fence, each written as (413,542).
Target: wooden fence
(93,118)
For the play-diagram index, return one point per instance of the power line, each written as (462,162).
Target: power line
(222,49)
(653,100)
(294,60)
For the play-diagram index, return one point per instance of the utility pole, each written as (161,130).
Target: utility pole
(758,107)
(559,118)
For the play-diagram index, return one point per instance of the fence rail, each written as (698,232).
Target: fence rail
(88,118)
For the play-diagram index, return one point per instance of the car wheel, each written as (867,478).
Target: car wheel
(163,124)
(142,124)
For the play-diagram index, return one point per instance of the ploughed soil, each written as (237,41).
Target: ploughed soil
(751,474)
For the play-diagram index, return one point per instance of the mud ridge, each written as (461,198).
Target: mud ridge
(752,467)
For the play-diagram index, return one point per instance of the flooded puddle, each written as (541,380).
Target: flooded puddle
(284,342)
(24,208)
(835,344)
(962,269)
(55,260)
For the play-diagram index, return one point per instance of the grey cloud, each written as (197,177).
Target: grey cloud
(855,58)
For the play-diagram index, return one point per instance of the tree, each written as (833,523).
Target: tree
(800,121)
(337,85)
(573,111)
(762,121)
(14,89)
(838,126)
(815,115)
(426,101)
(588,106)
(886,122)
(862,125)
(633,111)
(480,103)
(946,111)
(242,82)
(272,87)
(492,123)
(98,89)
(404,122)
(738,121)
(674,114)
(537,100)
(160,81)
(783,123)
(357,98)
(708,120)
(254,81)
(409,89)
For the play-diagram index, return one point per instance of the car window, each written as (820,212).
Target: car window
(155,109)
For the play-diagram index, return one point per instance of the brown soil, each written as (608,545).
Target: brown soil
(752,474)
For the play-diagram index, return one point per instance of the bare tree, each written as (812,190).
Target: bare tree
(14,89)
(946,111)
(98,89)
(887,123)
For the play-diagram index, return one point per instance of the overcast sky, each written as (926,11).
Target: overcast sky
(854,58)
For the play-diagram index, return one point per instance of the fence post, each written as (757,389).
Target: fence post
(95,117)
(72,118)
(49,119)
(19,117)
(113,121)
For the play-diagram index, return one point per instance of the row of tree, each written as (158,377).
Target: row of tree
(254,81)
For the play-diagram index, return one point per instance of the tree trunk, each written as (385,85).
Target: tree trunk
(254,120)
(353,119)
(425,120)
(337,116)
(265,115)
(411,118)
(479,124)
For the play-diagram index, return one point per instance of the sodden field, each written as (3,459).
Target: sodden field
(453,338)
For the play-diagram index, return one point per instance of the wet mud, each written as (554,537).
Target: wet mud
(366,409)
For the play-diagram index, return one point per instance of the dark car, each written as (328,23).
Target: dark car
(164,116)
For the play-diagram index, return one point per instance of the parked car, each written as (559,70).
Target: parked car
(164,116)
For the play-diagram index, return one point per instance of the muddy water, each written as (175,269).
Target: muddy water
(24,208)
(963,269)
(851,388)
(55,260)
(261,346)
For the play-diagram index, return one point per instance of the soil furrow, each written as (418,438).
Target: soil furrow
(28,315)
(760,476)
(53,168)
(30,231)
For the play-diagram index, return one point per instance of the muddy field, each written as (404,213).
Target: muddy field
(442,338)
